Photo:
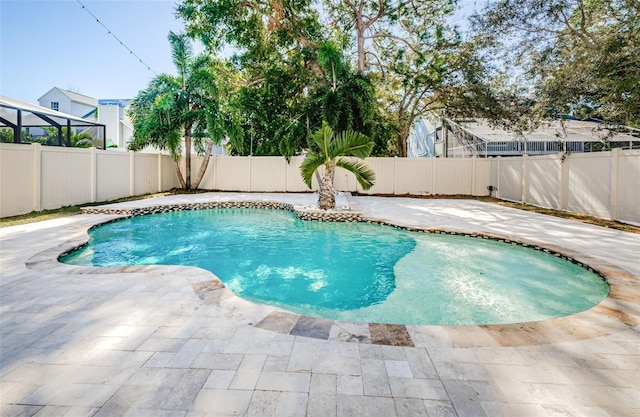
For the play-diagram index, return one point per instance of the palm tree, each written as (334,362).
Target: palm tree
(336,150)
(77,140)
(188,105)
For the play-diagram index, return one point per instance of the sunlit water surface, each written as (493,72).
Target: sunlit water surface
(352,271)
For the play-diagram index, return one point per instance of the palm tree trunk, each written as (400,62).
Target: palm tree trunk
(180,178)
(203,167)
(187,156)
(327,192)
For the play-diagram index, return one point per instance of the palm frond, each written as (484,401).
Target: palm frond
(322,139)
(310,164)
(351,143)
(181,53)
(364,175)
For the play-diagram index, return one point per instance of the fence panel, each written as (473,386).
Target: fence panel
(17,179)
(385,176)
(232,173)
(629,186)
(482,176)
(510,178)
(64,179)
(112,175)
(293,179)
(589,183)
(268,173)
(414,176)
(454,176)
(145,173)
(543,181)
(168,175)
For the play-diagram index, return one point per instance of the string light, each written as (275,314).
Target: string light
(115,37)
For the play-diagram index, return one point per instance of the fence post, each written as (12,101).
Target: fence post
(498,186)
(433,175)
(565,171)
(615,183)
(160,173)
(37,176)
(473,175)
(525,180)
(250,169)
(93,177)
(395,174)
(132,165)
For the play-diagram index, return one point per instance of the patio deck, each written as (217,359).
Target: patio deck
(168,341)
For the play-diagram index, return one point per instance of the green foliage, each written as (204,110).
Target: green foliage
(329,149)
(6,136)
(577,57)
(191,104)
(78,139)
(345,100)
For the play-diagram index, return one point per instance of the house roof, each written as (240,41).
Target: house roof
(576,130)
(76,97)
(114,102)
(32,115)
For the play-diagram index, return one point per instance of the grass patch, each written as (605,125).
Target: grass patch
(38,216)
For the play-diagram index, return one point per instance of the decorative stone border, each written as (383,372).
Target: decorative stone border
(301,213)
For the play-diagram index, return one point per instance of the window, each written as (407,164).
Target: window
(55,105)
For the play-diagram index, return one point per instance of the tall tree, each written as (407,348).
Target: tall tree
(189,105)
(406,45)
(345,99)
(578,56)
(274,45)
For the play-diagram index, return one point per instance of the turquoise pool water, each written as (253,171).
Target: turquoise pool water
(352,271)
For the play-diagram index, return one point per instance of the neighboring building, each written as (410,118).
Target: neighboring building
(109,112)
(69,102)
(112,113)
(470,138)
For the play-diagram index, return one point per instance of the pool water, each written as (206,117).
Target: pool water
(352,271)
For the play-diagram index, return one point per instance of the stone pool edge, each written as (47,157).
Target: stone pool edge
(606,318)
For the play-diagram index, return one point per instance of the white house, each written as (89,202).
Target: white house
(110,112)
(113,114)
(69,102)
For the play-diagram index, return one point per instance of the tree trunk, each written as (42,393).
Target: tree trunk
(327,192)
(187,157)
(402,143)
(361,51)
(180,178)
(203,167)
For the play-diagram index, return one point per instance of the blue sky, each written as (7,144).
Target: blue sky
(56,43)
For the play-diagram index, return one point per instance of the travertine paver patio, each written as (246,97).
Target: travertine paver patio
(168,341)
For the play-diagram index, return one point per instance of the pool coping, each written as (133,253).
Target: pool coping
(607,317)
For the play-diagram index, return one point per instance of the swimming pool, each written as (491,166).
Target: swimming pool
(352,271)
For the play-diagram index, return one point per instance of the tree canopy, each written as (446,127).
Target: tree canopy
(579,57)
(375,66)
(189,105)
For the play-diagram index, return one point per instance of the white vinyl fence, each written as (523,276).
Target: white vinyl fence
(397,176)
(604,184)
(36,177)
